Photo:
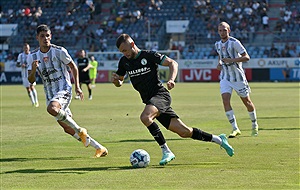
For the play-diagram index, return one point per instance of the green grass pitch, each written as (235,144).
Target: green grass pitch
(37,154)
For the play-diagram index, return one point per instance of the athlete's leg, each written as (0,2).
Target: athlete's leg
(30,94)
(100,149)
(252,114)
(226,91)
(147,118)
(35,96)
(177,126)
(89,87)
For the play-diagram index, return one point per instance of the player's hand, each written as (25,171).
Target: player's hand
(35,64)
(219,67)
(115,78)
(79,92)
(170,84)
(23,65)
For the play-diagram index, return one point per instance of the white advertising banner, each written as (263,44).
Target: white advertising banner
(253,63)
(8,29)
(177,26)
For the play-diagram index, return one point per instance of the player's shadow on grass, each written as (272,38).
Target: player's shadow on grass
(69,170)
(143,140)
(33,159)
(89,169)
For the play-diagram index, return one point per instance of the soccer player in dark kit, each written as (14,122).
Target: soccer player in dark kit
(142,68)
(84,76)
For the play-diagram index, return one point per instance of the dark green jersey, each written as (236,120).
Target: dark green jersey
(143,73)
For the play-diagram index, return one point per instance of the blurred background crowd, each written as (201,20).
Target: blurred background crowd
(267,28)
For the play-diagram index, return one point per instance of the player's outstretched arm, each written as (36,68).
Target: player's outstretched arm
(117,80)
(173,67)
(31,73)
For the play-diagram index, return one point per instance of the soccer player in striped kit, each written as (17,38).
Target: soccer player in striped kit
(52,63)
(232,77)
(22,62)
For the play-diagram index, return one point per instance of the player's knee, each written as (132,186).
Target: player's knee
(52,110)
(145,119)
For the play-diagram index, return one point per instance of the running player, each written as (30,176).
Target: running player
(142,66)
(84,75)
(52,63)
(93,71)
(232,77)
(22,62)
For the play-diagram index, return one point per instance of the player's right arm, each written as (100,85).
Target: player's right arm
(117,80)
(19,61)
(32,71)
(219,66)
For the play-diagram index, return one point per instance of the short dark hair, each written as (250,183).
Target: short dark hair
(42,28)
(122,38)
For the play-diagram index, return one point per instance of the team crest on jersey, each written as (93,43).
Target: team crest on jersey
(143,61)
(46,59)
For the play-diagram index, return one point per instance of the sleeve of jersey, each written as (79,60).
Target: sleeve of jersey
(121,70)
(19,58)
(239,47)
(65,56)
(29,62)
(158,58)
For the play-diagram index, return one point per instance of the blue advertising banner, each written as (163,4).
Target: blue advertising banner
(14,78)
(284,74)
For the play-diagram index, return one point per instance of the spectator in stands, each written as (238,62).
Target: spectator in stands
(191,47)
(265,19)
(274,51)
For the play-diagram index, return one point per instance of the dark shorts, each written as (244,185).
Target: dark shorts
(84,77)
(162,101)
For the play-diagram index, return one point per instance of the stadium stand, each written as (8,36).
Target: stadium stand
(94,25)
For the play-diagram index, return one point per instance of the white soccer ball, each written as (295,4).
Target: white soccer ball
(139,158)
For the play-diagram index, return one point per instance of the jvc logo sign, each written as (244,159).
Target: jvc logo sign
(197,75)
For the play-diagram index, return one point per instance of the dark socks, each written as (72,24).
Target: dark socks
(156,133)
(201,135)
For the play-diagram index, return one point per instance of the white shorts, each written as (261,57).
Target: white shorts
(26,83)
(241,88)
(64,99)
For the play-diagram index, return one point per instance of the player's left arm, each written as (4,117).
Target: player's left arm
(88,67)
(74,71)
(173,67)
(242,51)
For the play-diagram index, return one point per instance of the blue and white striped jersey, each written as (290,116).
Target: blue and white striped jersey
(232,48)
(22,59)
(53,69)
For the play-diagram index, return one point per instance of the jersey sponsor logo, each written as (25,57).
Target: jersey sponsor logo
(53,80)
(143,61)
(46,73)
(138,72)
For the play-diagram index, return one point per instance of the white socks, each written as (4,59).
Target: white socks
(35,96)
(31,96)
(231,119)
(65,118)
(93,143)
(165,148)
(216,139)
(253,118)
